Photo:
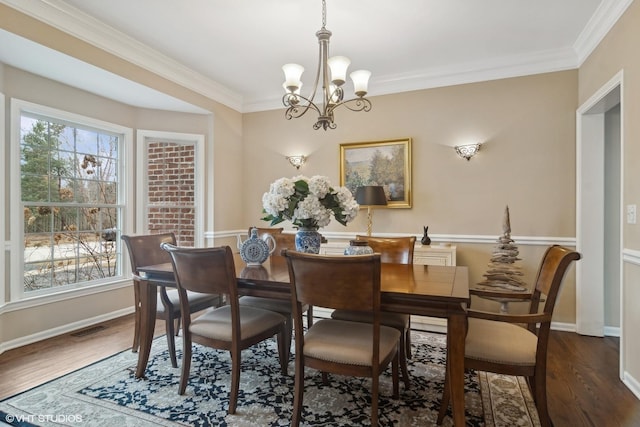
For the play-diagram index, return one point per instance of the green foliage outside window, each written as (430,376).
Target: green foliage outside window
(69,187)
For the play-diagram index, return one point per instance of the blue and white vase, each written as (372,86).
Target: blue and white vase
(358,247)
(254,251)
(308,240)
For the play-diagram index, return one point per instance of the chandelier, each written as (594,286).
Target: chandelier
(331,74)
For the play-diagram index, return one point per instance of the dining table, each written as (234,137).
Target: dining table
(426,290)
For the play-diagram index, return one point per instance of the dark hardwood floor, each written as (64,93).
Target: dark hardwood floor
(583,383)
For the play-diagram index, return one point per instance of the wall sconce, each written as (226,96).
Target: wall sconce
(297,161)
(467,151)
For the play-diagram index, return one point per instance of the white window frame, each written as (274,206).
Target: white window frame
(143,137)
(16,217)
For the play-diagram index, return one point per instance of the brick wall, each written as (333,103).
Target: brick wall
(171,187)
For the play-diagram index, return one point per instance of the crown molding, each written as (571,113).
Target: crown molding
(457,74)
(78,24)
(601,22)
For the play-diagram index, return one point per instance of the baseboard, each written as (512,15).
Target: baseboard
(564,327)
(612,331)
(63,329)
(632,384)
(429,324)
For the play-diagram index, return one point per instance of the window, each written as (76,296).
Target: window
(171,185)
(71,200)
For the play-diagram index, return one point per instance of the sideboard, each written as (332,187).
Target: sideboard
(424,255)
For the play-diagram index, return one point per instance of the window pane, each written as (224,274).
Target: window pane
(37,275)
(70,188)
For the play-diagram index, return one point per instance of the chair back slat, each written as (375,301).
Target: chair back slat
(145,249)
(204,270)
(273,231)
(397,250)
(553,268)
(284,241)
(349,283)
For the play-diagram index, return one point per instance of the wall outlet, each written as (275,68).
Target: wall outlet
(631,214)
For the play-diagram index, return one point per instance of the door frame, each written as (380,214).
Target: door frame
(590,169)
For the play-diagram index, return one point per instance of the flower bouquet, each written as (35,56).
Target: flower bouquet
(308,203)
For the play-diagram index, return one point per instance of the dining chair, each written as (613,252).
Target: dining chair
(266,230)
(145,250)
(232,327)
(397,250)
(339,346)
(283,241)
(511,344)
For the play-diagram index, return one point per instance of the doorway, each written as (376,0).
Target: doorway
(599,212)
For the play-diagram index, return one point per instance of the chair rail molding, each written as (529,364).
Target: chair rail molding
(435,238)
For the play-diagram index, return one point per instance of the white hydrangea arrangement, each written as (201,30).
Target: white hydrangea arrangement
(308,202)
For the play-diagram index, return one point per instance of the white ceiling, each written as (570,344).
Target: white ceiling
(233,51)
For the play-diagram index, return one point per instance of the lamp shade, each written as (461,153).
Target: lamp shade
(360,81)
(338,66)
(292,75)
(371,195)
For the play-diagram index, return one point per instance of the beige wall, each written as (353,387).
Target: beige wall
(527,126)
(527,161)
(619,51)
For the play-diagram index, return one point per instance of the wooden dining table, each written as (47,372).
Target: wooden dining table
(435,291)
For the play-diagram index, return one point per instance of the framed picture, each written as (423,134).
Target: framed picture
(386,163)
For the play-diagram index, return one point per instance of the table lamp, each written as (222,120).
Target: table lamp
(370,195)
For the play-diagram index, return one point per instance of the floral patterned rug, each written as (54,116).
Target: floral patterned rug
(107,394)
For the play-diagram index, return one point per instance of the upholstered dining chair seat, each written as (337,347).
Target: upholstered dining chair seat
(517,344)
(348,342)
(215,323)
(194,297)
(145,250)
(284,307)
(231,327)
(338,346)
(398,250)
(500,342)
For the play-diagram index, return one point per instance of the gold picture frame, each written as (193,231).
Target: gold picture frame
(386,163)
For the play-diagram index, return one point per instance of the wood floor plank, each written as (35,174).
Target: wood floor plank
(584,387)
(26,367)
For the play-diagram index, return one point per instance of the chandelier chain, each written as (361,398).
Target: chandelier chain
(324,14)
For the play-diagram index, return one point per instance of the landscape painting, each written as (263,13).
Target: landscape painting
(386,163)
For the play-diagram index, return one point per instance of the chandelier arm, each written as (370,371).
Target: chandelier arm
(355,104)
(296,108)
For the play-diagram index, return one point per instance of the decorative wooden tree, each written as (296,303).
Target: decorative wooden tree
(503,273)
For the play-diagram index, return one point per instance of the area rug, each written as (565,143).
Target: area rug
(107,394)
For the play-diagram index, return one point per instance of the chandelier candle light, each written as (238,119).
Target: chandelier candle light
(332,81)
